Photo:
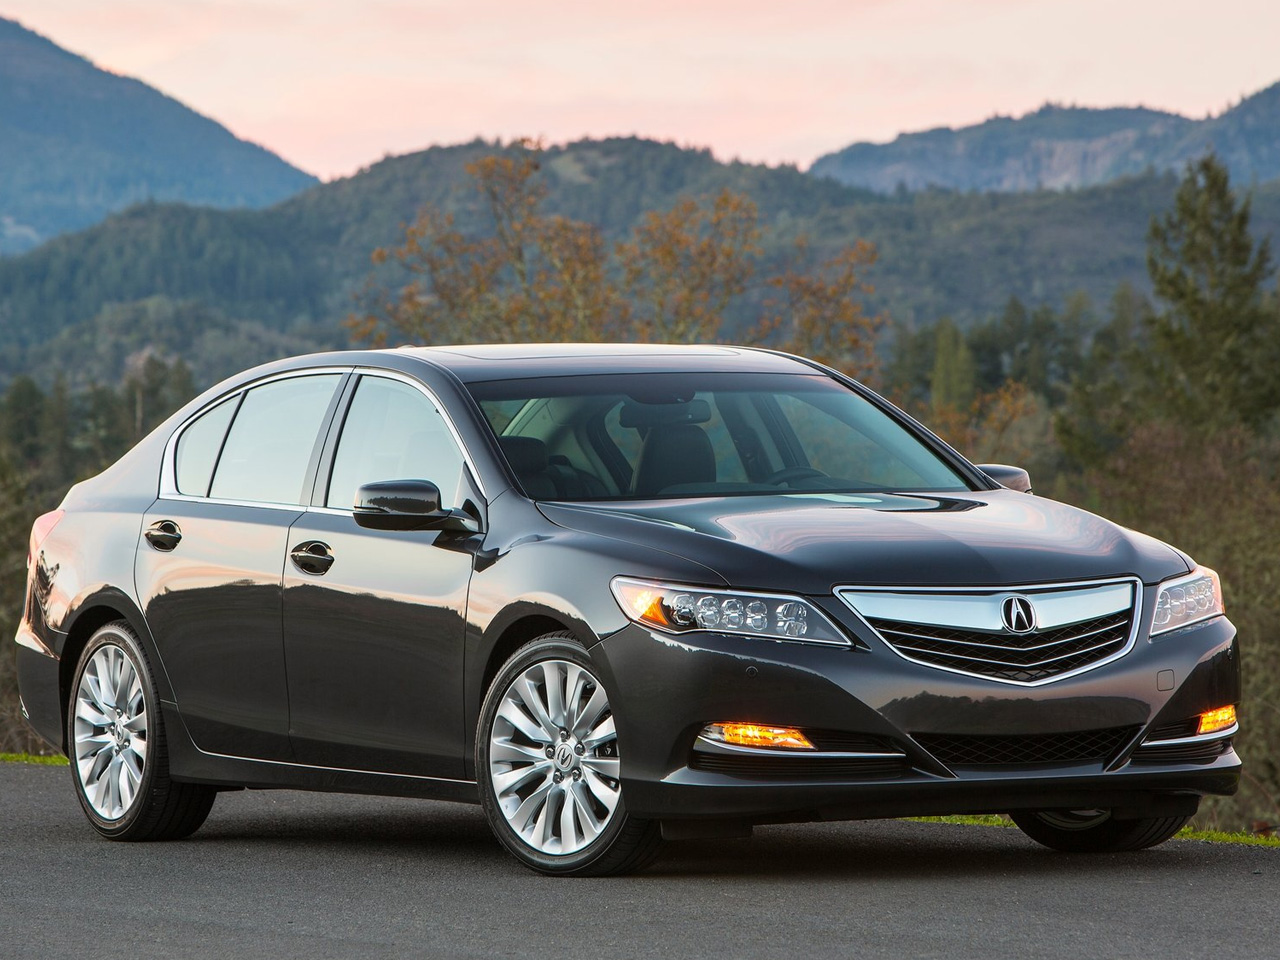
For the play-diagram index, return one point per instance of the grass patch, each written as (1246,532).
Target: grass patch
(970,819)
(1186,833)
(53,761)
(1219,836)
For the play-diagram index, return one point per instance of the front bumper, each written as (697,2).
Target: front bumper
(665,689)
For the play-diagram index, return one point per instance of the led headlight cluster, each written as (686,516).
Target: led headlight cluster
(1187,600)
(680,609)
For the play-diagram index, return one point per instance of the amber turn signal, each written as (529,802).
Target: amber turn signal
(1211,721)
(757,735)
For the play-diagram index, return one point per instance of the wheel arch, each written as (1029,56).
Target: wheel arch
(91,614)
(510,630)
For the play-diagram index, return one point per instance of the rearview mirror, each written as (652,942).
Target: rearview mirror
(1015,478)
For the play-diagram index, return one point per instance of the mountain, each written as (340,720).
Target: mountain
(1066,147)
(298,267)
(78,143)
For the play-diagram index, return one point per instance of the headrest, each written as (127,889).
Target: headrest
(636,414)
(527,455)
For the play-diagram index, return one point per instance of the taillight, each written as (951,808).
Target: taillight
(39,530)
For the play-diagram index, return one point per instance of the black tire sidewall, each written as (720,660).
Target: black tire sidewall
(550,647)
(120,635)
(1110,836)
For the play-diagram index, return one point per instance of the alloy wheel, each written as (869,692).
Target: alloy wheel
(553,757)
(110,732)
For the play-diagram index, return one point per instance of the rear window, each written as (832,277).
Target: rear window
(268,449)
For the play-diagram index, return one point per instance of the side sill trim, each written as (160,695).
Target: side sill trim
(307,766)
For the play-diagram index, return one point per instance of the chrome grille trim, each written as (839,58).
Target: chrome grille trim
(978,609)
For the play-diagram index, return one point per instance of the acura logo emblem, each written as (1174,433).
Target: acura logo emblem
(564,756)
(1018,614)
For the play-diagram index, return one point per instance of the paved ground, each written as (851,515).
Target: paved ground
(299,875)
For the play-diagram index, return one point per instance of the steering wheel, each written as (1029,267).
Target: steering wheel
(787,474)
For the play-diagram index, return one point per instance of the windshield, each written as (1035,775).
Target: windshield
(668,435)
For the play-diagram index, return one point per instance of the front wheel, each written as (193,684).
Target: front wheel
(1095,831)
(119,757)
(548,765)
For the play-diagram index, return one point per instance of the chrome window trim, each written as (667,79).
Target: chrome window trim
(1025,589)
(168,470)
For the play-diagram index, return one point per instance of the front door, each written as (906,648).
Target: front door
(374,621)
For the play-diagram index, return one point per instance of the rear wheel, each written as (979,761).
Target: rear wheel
(1095,831)
(119,757)
(548,764)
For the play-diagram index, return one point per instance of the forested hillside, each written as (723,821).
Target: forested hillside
(1060,147)
(77,143)
(301,263)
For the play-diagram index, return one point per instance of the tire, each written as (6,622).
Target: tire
(116,743)
(550,787)
(1095,831)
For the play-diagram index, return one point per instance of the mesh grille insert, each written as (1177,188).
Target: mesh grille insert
(1085,746)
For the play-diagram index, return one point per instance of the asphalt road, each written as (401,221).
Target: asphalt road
(283,874)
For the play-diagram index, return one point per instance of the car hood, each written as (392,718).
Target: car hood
(810,543)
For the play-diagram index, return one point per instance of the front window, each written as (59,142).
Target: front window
(660,435)
(393,432)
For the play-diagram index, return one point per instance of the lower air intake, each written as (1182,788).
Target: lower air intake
(1085,746)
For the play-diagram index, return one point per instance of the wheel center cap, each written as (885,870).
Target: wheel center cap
(564,756)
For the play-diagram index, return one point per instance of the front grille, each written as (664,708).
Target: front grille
(1023,658)
(1084,746)
(1204,752)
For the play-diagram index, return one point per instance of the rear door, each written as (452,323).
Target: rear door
(374,620)
(208,569)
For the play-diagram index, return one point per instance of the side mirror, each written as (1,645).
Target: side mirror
(1015,478)
(400,505)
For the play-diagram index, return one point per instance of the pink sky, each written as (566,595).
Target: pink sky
(333,86)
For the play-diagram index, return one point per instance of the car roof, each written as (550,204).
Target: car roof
(480,362)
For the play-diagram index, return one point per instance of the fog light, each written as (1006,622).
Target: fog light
(1211,721)
(757,735)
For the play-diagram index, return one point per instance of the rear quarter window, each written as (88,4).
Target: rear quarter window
(198,448)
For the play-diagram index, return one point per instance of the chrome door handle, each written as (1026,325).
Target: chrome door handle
(312,557)
(164,535)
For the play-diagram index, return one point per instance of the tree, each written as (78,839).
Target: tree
(952,382)
(677,278)
(1215,348)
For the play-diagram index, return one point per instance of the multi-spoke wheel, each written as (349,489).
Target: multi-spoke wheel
(110,732)
(1095,831)
(548,762)
(117,746)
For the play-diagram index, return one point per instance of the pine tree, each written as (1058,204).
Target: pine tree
(953,382)
(1214,350)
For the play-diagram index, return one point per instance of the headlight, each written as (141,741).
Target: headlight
(1187,600)
(678,609)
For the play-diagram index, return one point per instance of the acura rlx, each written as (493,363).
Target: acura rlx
(616,595)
